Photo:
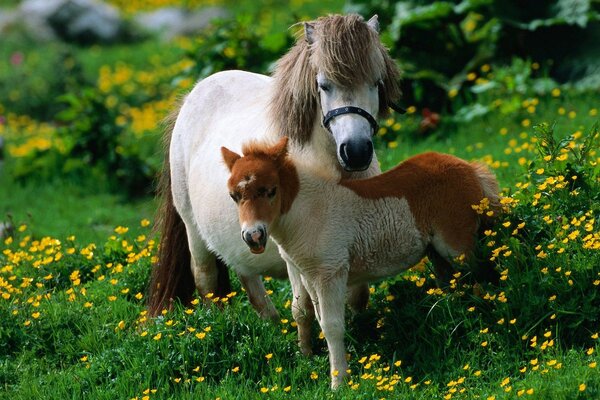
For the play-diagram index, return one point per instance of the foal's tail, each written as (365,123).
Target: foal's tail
(172,275)
(491,190)
(485,271)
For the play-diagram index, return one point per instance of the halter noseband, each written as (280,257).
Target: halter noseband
(350,110)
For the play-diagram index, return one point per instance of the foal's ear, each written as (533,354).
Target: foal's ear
(373,23)
(280,150)
(229,157)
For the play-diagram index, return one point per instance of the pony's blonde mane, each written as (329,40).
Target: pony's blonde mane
(348,52)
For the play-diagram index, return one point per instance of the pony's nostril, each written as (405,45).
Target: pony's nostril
(344,152)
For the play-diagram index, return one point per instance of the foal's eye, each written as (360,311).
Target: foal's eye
(235,196)
(272,192)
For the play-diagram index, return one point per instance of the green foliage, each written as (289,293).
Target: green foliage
(235,44)
(438,43)
(90,144)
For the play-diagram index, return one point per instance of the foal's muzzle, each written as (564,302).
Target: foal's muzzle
(256,238)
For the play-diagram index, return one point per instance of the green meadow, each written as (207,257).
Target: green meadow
(74,268)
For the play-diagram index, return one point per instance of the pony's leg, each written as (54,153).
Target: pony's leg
(331,293)
(204,265)
(257,294)
(302,310)
(358,297)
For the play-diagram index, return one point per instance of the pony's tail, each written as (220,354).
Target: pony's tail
(171,275)
(491,190)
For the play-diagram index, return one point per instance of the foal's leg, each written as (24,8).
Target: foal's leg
(442,267)
(302,310)
(331,293)
(257,294)
(358,297)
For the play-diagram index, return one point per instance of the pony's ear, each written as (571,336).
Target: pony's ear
(229,157)
(309,32)
(280,150)
(373,23)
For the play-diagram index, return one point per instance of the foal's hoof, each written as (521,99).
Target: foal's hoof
(337,378)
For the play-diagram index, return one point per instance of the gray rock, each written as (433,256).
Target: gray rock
(83,21)
(170,22)
(8,19)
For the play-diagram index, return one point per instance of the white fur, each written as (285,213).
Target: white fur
(332,238)
(229,109)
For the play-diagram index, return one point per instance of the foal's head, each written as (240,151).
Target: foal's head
(263,184)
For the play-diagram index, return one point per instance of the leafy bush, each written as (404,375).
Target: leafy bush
(235,44)
(439,43)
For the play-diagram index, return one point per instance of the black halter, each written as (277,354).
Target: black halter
(350,110)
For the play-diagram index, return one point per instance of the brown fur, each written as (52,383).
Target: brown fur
(439,188)
(349,52)
(429,184)
(278,168)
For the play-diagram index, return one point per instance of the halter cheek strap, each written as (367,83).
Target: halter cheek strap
(350,110)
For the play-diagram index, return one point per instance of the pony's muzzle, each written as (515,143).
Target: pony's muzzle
(256,238)
(356,154)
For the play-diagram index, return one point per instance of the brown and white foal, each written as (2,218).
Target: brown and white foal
(333,233)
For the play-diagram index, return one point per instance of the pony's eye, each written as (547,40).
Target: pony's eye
(324,87)
(272,192)
(235,196)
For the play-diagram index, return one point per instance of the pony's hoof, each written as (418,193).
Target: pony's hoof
(270,315)
(306,351)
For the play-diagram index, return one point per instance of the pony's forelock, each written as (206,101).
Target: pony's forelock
(348,52)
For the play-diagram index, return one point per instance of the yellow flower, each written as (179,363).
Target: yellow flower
(314,375)
(157,336)
(121,230)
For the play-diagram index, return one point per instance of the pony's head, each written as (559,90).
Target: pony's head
(263,184)
(342,74)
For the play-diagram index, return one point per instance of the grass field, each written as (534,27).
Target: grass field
(73,322)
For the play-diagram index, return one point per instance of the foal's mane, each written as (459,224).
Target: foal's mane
(348,52)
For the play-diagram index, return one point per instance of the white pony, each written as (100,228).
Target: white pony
(323,95)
